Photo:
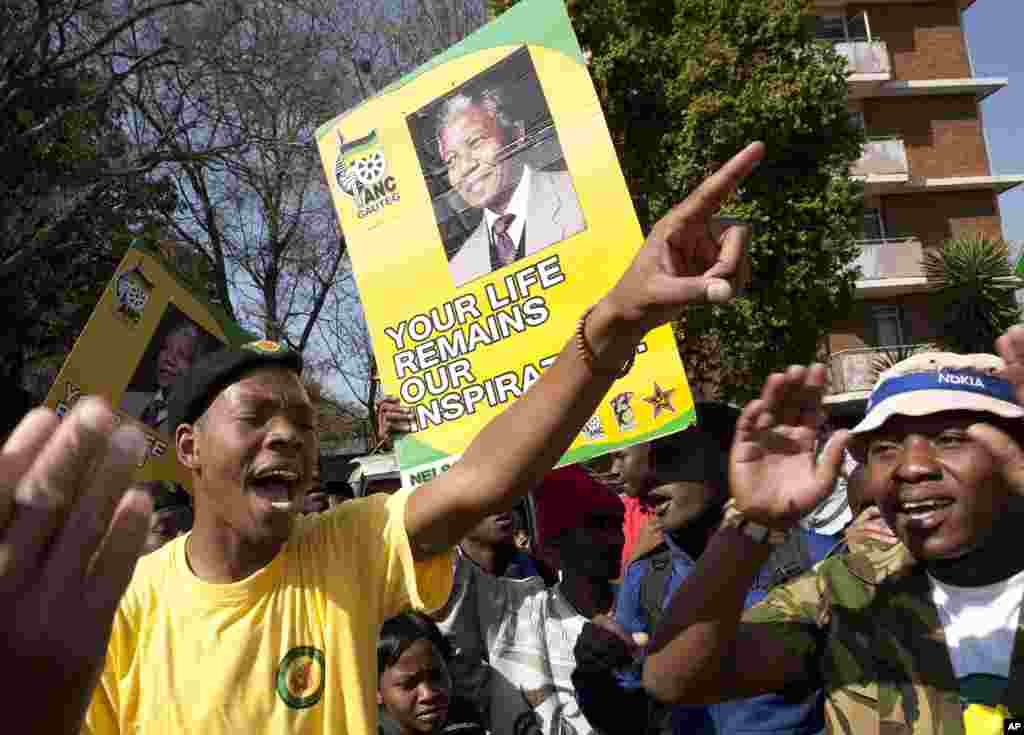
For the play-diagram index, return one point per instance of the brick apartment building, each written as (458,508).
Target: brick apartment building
(925,168)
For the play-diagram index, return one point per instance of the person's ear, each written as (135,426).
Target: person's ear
(380,697)
(187,445)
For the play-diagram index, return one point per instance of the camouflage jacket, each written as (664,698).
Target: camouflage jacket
(866,624)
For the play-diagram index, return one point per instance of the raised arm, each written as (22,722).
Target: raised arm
(701,652)
(1007,449)
(687,259)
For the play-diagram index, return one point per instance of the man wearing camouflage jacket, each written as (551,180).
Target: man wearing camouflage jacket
(921,637)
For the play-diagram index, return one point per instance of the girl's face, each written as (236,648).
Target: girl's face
(416,690)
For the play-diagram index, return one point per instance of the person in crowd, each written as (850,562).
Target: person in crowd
(414,689)
(491,545)
(521,529)
(524,209)
(260,618)
(172,514)
(631,471)
(689,489)
(178,350)
(514,638)
(920,637)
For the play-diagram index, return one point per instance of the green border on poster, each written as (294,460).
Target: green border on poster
(530,22)
(412,453)
(589,451)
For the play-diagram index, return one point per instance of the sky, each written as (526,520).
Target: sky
(993,36)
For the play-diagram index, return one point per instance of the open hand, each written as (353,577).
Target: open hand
(773,474)
(689,257)
(69,539)
(393,419)
(1006,450)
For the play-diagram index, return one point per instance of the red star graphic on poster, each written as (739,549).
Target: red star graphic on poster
(661,400)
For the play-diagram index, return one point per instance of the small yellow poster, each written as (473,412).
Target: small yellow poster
(146,330)
(485,211)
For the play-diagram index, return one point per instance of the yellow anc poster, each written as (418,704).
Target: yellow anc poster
(485,211)
(147,329)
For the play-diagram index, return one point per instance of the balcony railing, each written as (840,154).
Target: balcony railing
(882,157)
(865,57)
(856,370)
(889,258)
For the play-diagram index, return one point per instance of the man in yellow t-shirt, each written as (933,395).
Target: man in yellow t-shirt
(261,614)
(258,620)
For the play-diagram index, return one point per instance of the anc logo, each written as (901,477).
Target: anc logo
(362,174)
(300,677)
(264,346)
(132,290)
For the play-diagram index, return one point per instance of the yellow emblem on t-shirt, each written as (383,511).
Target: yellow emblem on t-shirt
(300,677)
(266,346)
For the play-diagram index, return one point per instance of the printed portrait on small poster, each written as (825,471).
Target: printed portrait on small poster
(177,344)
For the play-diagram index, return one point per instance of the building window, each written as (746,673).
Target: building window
(838,28)
(830,28)
(857,28)
(873,227)
(888,324)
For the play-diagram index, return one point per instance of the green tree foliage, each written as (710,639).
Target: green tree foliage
(686,84)
(973,284)
(72,192)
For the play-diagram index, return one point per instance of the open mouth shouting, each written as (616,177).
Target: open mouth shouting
(277,486)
